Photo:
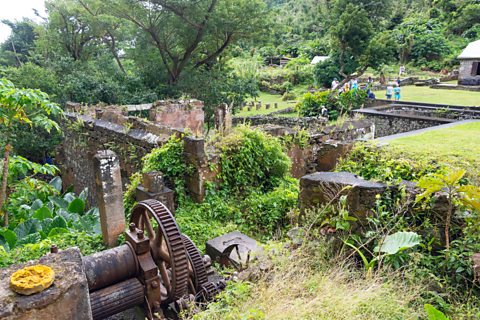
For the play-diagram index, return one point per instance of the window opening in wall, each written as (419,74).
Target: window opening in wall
(476,69)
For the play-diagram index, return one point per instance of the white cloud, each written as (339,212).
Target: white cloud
(16,10)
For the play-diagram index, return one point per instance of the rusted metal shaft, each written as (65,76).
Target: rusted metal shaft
(111,266)
(116,298)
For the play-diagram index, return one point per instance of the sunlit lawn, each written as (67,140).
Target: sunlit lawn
(440,96)
(458,145)
(272,98)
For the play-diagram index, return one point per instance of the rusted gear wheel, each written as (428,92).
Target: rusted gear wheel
(196,268)
(166,245)
(208,292)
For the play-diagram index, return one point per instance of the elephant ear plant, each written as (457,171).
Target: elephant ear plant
(21,106)
(391,245)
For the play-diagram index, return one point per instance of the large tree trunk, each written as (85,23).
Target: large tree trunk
(3,191)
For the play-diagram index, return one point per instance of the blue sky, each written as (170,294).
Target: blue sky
(15,10)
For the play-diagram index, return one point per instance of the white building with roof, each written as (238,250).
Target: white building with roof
(469,72)
(318,59)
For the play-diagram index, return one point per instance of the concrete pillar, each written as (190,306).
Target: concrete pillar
(223,118)
(108,182)
(275,105)
(194,155)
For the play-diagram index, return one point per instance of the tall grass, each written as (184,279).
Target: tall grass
(306,285)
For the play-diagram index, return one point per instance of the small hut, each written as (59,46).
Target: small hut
(469,73)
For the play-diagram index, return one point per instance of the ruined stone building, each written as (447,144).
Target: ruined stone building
(469,73)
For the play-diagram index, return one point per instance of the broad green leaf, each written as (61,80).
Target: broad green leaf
(470,196)
(31,238)
(88,223)
(9,236)
(58,222)
(57,231)
(27,227)
(69,197)
(46,226)
(68,216)
(59,202)
(56,183)
(454,176)
(37,204)
(42,213)
(431,184)
(433,313)
(77,206)
(83,195)
(398,241)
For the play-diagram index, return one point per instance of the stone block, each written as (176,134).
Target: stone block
(330,152)
(246,247)
(153,181)
(108,182)
(320,188)
(66,299)
(165,196)
(194,150)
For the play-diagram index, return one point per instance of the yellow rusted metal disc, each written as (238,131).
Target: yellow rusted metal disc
(32,279)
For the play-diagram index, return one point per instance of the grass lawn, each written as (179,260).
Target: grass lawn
(267,98)
(272,98)
(440,96)
(458,145)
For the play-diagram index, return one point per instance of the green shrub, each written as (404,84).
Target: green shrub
(252,159)
(169,159)
(376,163)
(288,96)
(43,218)
(336,104)
(87,243)
(266,213)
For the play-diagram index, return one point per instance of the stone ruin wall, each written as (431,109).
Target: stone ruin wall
(303,122)
(90,129)
(85,136)
(131,138)
(326,143)
(390,124)
(465,76)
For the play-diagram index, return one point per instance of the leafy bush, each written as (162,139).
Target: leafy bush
(252,159)
(324,73)
(449,234)
(288,96)
(169,160)
(254,193)
(87,243)
(265,213)
(336,104)
(44,219)
(374,163)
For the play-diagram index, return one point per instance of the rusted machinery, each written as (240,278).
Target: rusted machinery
(157,268)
